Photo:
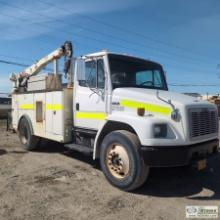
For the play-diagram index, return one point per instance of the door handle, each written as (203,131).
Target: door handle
(77,106)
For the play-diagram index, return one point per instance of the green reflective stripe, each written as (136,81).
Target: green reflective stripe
(26,106)
(148,107)
(91,115)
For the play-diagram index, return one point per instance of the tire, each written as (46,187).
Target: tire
(29,142)
(117,148)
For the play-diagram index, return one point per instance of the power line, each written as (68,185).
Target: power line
(122,29)
(166,53)
(185,68)
(60,21)
(95,39)
(194,85)
(170,84)
(15,57)
(13,63)
(24,20)
(125,30)
(19,64)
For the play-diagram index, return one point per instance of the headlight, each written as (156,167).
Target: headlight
(160,130)
(175,114)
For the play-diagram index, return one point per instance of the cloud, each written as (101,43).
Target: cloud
(24,19)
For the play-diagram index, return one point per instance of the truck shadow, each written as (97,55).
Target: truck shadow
(2,152)
(165,182)
(184,182)
(54,147)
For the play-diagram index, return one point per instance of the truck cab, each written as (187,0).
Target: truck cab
(121,111)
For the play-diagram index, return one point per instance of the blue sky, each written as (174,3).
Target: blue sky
(182,35)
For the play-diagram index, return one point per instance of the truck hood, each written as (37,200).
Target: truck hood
(156,104)
(151,96)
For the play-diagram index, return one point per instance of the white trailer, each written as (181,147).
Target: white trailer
(118,108)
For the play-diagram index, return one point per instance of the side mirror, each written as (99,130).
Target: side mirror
(80,69)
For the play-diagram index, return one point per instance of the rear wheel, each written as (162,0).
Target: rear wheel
(28,141)
(121,160)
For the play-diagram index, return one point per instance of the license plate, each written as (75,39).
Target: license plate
(201,164)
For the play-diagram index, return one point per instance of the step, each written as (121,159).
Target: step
(79,148)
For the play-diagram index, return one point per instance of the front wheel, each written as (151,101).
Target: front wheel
(28,141)
(121,160)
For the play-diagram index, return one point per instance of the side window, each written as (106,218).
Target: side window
(90,74)
(93,75)
(100,74)
(87,74)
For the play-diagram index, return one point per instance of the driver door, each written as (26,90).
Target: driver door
(89,97)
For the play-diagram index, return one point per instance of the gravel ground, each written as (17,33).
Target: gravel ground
(56,183)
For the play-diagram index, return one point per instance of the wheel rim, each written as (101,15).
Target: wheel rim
(117,161)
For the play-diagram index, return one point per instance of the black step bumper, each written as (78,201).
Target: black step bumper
(172,156)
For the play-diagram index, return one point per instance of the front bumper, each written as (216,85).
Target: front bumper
(172,156)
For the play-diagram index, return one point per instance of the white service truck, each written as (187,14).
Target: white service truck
(116,107)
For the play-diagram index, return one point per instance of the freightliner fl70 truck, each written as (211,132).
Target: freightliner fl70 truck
(117,108)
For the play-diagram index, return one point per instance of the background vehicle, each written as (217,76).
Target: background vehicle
(116,107)
(5,107)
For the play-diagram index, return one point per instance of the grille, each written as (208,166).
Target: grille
(202,122)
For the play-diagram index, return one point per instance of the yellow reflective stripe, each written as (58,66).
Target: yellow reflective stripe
(91,115)
(27,106)
(55,107)
(148,107)
(48,107)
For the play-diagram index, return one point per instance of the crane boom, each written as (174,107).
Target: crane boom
(21,78)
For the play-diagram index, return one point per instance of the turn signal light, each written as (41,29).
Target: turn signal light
(141,111)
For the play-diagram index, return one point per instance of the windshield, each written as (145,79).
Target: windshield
(133,72)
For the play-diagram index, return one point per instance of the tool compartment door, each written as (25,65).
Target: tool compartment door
(49,113)
(54,113)
(39,122)
(57,110)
